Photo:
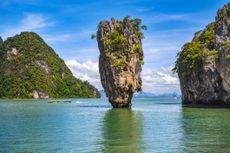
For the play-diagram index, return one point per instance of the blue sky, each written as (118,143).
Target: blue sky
(66,25)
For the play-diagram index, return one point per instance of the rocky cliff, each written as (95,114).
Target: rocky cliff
(29,68)
(121,57)
(203,65)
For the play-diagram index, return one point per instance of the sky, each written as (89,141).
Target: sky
(67,25)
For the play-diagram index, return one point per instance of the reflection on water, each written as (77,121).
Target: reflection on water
(205,130)
(89,126)
(122,131)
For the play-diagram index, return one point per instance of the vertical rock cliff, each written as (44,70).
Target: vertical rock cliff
(203,65)
(121,57)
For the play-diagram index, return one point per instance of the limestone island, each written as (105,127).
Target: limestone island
(203,65)
(121,58)
(29,68)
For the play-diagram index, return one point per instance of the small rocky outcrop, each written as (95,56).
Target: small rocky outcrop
(121,57)
(40,95)
(203,65)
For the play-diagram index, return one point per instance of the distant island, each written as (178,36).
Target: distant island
(148,94)
(203,65)
(29,68)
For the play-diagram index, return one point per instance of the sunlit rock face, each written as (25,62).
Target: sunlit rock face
(203,65)
(121,58)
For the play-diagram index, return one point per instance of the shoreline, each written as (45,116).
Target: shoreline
(205,106)
(44,98)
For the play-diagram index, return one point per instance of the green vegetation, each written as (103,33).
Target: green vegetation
(137,48)
(142,62)
(117,44)
(208,36)
(226,45)
(93,36)
(37,67)
(193,53)
(137,23)
(144,27)
(223,13)
(1,42)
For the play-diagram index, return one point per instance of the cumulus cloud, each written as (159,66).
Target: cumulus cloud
(163,81)
(86,71)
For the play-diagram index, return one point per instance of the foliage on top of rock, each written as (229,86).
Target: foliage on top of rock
(118,44)
(121,57)
(193,53)
(28,66)
(204,44)
(203,65)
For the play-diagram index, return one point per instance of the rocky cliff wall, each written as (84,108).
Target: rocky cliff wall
(203,65)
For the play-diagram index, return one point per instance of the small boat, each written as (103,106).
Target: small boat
(59,102)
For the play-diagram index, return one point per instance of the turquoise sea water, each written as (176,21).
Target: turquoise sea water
(91,125)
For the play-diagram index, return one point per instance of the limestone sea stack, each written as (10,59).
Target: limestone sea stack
(121,58)
(203,65)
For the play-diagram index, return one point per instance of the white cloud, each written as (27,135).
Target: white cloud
(87,71)
(30,22)
(161,48)
(162,81)
(34,22)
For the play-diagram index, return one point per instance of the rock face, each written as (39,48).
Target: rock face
(40,95)
(29,68)
(203,65)
(121,57)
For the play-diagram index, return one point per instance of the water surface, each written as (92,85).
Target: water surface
(91,125)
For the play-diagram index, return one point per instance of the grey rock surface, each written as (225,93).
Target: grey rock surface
(121,57)
(210,83)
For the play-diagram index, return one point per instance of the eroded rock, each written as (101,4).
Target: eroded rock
(43,65)
(12,53)
(40,95)
(121,57)
(203,65)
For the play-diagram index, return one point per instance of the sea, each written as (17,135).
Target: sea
(153,124)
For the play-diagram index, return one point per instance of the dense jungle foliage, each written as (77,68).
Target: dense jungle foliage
(28,64)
